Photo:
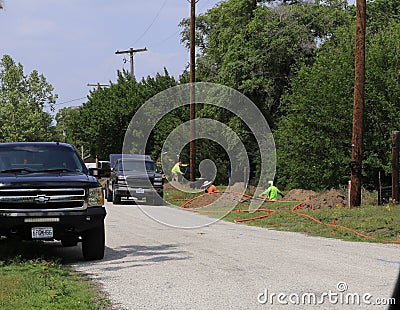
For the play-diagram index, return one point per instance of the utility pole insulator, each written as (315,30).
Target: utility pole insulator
(131,51)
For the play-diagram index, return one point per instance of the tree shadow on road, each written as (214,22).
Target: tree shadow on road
(138,255)
(116,258)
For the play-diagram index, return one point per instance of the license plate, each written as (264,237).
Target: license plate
(42,232)
(140,191)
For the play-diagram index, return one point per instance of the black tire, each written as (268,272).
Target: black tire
(93,243)
(109,195)
(68,242)
(116,198)
(155,200)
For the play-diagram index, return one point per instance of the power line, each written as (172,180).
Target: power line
(152,22)
(211,79)
(59,103)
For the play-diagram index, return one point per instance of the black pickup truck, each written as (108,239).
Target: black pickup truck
(46,193)
(135,176)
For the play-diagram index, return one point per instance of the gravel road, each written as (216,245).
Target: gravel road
(149,265)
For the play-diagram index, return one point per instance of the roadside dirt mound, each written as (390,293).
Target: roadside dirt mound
(208,199)
(299,195)
(238,187)
(329,199)
(167,186)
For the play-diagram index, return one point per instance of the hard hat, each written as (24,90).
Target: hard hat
(206,184)
(270,182)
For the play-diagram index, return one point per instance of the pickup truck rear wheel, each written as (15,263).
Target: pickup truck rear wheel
(109,195)
(116,198)
(67,242)
(155,200)
(93,242)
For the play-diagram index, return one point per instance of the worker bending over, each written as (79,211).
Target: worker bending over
(271,192)
(209,187)
(176,171)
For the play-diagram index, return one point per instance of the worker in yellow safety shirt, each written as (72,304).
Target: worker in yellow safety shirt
(271,192)
(176,171)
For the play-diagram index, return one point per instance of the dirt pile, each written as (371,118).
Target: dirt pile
(208,200)
(299,195)
(329,199)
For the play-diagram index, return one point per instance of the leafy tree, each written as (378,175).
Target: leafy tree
(253,47)
(382,12)
(314,138)
(257,49)
(101,122)
(23,99)
(68,127)
(382,99)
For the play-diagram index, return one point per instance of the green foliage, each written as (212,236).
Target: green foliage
(382,97)
(253,47)
(314,136)
(381,13)
(295,61)
(258,49)
(101,122)
(23,99)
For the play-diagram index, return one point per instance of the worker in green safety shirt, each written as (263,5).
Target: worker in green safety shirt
(271,192)
(176,171)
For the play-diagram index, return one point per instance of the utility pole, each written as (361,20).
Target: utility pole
(358,109)
(192,145)
(130,52)
(395,165)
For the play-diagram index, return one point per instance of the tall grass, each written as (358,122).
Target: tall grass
(29,280)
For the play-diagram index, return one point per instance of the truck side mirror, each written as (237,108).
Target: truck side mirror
(94,172)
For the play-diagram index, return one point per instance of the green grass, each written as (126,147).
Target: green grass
(380,223)
(373,221)
(42,283)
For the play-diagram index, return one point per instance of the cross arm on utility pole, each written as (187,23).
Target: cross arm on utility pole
(98,85)
(131,51)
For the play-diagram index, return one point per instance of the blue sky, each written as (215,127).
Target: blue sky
(73,42)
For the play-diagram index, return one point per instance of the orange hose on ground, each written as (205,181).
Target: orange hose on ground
(339,226)
(270,212)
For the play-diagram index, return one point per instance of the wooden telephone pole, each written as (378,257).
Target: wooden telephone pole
(358,109)
(192,145)
(131,51)
(395,166)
